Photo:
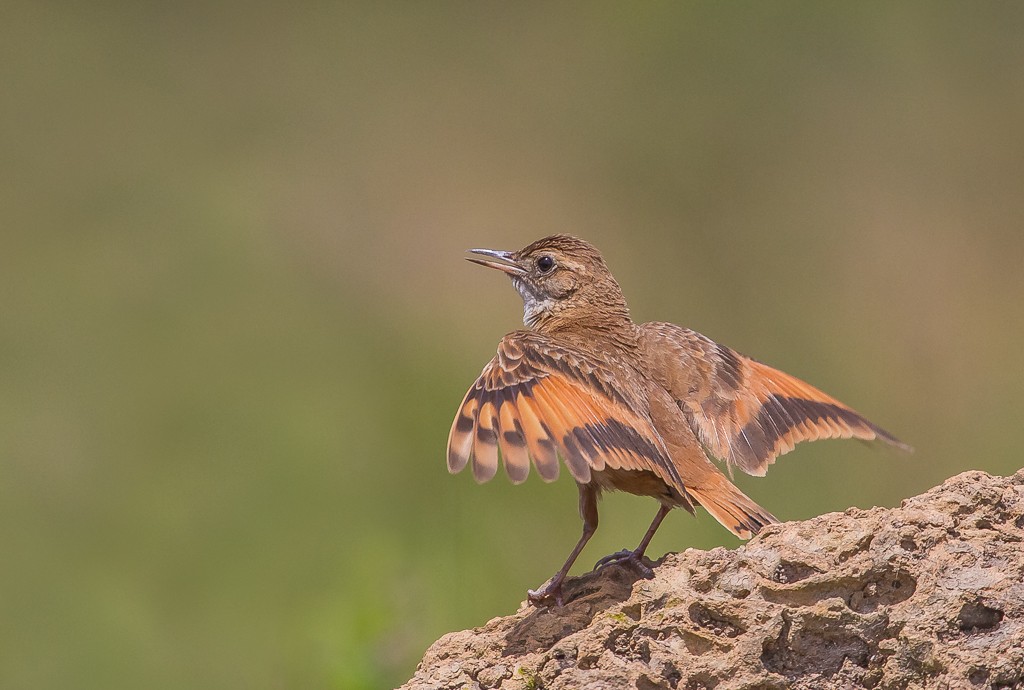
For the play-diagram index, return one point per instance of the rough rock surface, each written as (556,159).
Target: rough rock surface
(927,595)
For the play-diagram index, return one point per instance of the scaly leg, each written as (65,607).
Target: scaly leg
(636,555)
(552,589)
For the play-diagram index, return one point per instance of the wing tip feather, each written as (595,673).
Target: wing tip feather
(456,462)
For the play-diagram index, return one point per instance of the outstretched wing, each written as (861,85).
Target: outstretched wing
(538,399)
(744,412)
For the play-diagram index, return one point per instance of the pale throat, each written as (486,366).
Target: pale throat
(535,310)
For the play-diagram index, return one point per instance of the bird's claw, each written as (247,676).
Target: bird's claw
(626,557)
(544,596)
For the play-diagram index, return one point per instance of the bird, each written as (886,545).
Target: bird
(644,408)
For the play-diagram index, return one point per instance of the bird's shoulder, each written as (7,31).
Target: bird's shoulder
(686,362)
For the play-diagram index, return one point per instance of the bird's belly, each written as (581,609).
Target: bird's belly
(640,483)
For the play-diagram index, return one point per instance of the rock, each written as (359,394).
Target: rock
(926,595)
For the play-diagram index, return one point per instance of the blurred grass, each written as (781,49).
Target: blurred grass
(236,321)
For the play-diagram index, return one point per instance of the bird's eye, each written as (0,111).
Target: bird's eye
(545,264)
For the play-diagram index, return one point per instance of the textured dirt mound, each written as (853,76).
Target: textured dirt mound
(927,595)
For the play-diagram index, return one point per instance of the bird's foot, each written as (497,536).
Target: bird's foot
(550,593)
(626,557)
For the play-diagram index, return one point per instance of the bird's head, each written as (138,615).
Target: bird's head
(563,280)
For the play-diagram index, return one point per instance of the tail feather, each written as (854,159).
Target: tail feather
(730,506)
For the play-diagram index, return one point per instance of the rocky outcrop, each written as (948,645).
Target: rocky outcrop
(926,595)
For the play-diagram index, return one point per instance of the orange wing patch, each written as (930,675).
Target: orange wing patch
(782,411)
(538,400)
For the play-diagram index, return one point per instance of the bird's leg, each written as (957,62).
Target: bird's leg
(552,589)
(636,556)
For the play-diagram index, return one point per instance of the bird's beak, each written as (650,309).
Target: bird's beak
(507,264)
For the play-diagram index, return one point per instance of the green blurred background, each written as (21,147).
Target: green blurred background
(236,321)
